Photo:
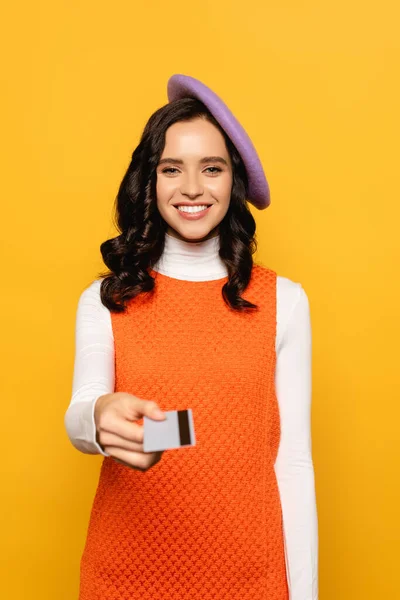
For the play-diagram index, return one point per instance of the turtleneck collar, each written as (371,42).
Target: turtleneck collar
(194,261)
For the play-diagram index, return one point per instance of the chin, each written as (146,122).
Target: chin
(190,234)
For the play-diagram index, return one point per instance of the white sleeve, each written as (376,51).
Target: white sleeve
(294,466)
(93,369)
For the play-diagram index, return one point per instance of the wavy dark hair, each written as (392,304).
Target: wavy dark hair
(140,244)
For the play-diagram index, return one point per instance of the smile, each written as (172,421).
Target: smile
(193,212)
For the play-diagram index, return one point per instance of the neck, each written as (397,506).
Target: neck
(194,261)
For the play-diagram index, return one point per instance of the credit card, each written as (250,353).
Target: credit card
(176,431)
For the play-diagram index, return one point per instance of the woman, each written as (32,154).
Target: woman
(184,319)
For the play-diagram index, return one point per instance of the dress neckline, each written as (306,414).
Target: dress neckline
(191,261)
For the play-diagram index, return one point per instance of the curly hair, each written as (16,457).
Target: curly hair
(140,244)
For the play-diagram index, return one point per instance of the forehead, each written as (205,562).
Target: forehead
(193,138)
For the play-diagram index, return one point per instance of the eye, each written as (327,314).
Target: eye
(211,170)
(168,169)
(217,170)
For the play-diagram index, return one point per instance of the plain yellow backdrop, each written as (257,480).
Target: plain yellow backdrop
(316,85)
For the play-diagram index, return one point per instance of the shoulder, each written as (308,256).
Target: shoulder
(93,319)
(288,292)
(91,292)
(292,307)
(90,301)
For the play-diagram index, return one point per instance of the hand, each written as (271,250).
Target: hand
(118,436)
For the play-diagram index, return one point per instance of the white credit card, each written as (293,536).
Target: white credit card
(176,431)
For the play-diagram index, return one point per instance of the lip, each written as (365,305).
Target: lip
(192,216)
(191,204)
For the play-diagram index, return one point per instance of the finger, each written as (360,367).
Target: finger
(121,462)
(111,439)
(131,432)
(137,460)
(125,464)
(135,408)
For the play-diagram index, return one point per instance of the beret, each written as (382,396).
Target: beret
(183,86)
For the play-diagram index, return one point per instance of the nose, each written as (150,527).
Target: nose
(191,185)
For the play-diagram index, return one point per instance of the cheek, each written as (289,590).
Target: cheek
(164,189)
(221,189)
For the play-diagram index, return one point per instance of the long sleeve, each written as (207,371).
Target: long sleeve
(294,466)
(93,369)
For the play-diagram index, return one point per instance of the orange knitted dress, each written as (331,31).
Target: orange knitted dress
(205,523)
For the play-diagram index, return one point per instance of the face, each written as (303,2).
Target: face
(195,173)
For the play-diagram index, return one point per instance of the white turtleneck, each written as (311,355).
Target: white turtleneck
(94,376)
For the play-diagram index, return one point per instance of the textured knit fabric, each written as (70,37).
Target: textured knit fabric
(205,522)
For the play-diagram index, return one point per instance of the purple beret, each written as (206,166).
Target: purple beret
(183,86)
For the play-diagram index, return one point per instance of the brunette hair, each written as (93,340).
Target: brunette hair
(142,229)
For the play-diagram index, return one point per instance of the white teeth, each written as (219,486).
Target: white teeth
(192,209)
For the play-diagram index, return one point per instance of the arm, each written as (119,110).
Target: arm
(93,369)
(294,466)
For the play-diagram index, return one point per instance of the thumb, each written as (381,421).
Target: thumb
(154,411)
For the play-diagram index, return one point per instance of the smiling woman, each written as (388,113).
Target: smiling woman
(167,327)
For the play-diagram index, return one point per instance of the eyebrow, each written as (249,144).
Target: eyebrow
(206,159)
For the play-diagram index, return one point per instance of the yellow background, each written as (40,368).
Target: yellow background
(316,85)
